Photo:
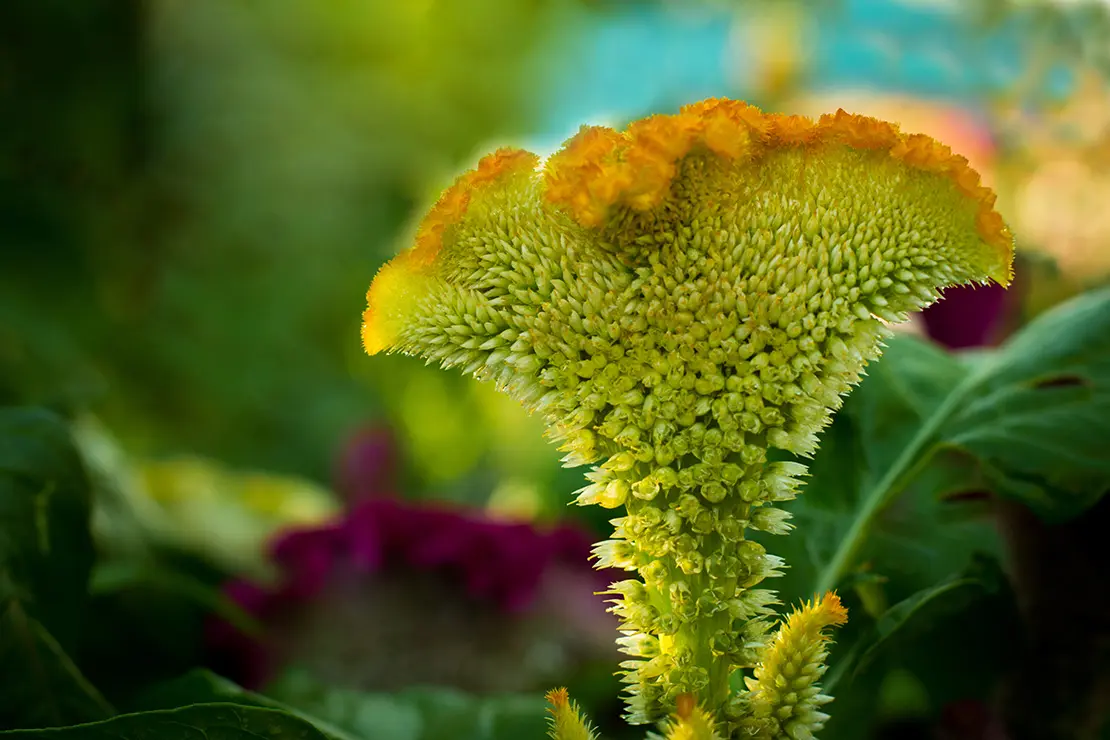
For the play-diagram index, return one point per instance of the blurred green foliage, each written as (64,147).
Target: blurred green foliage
(195,196)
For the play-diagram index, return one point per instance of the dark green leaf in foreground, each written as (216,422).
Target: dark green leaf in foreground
(952,641)
(45,558)
(46,550)
(345,714)
(201,686)
(196,722)
(432,713)
(41,685)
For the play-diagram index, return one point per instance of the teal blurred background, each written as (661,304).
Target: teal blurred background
(195,194)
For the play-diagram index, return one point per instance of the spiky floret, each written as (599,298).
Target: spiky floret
(566,721)
(691,722)
(783,699)
(676,299)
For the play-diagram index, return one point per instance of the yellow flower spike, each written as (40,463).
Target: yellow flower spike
(676,300)
(566,721)
(783,698)
(691,722)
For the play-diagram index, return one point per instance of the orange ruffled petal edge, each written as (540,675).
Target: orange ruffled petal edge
(599,167)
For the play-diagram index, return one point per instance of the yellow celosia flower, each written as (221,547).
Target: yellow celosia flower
(566,721)
(783,699)
(676,299)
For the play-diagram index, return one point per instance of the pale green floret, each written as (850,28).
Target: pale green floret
(672,348)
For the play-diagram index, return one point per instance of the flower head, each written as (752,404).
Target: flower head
(675,300)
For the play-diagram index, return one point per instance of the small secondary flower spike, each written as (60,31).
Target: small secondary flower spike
(677,299)
(783,697)
(566,721)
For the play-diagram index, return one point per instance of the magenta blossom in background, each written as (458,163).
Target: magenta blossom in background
(968,316)
(502,565)
(367,466)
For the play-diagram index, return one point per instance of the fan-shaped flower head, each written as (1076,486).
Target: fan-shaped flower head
(676,299)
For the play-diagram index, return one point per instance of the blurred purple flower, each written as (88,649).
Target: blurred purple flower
(499,564)
(367,467)
(968,316)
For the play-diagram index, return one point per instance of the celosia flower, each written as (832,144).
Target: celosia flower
(567,722)
(784,699)
(677,299)
(489,570)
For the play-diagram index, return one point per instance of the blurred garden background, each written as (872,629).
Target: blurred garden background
(194,198)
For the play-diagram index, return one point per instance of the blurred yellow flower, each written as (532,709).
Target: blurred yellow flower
(229,515)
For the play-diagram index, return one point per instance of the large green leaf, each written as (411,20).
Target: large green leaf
(419,713)
(1039,420)
(204,687)
(1033,417)
(908,621)
(45,558)
(221,721)
(46,550)
(952,641)
(1029,421)
(911,541)
(346,714)
(42,686)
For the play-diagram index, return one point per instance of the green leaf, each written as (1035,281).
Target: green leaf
(346,714)
(431,713)
(46,550)
(906,543)
(1039,422)
(906,536)
(952,641)
(1029,421)
(911,617)
(123,575)
(42,686)
(201,686)
(220,721)
(1033,415)
(903,389)
(45,557)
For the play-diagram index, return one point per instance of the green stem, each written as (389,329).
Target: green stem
(880,493)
